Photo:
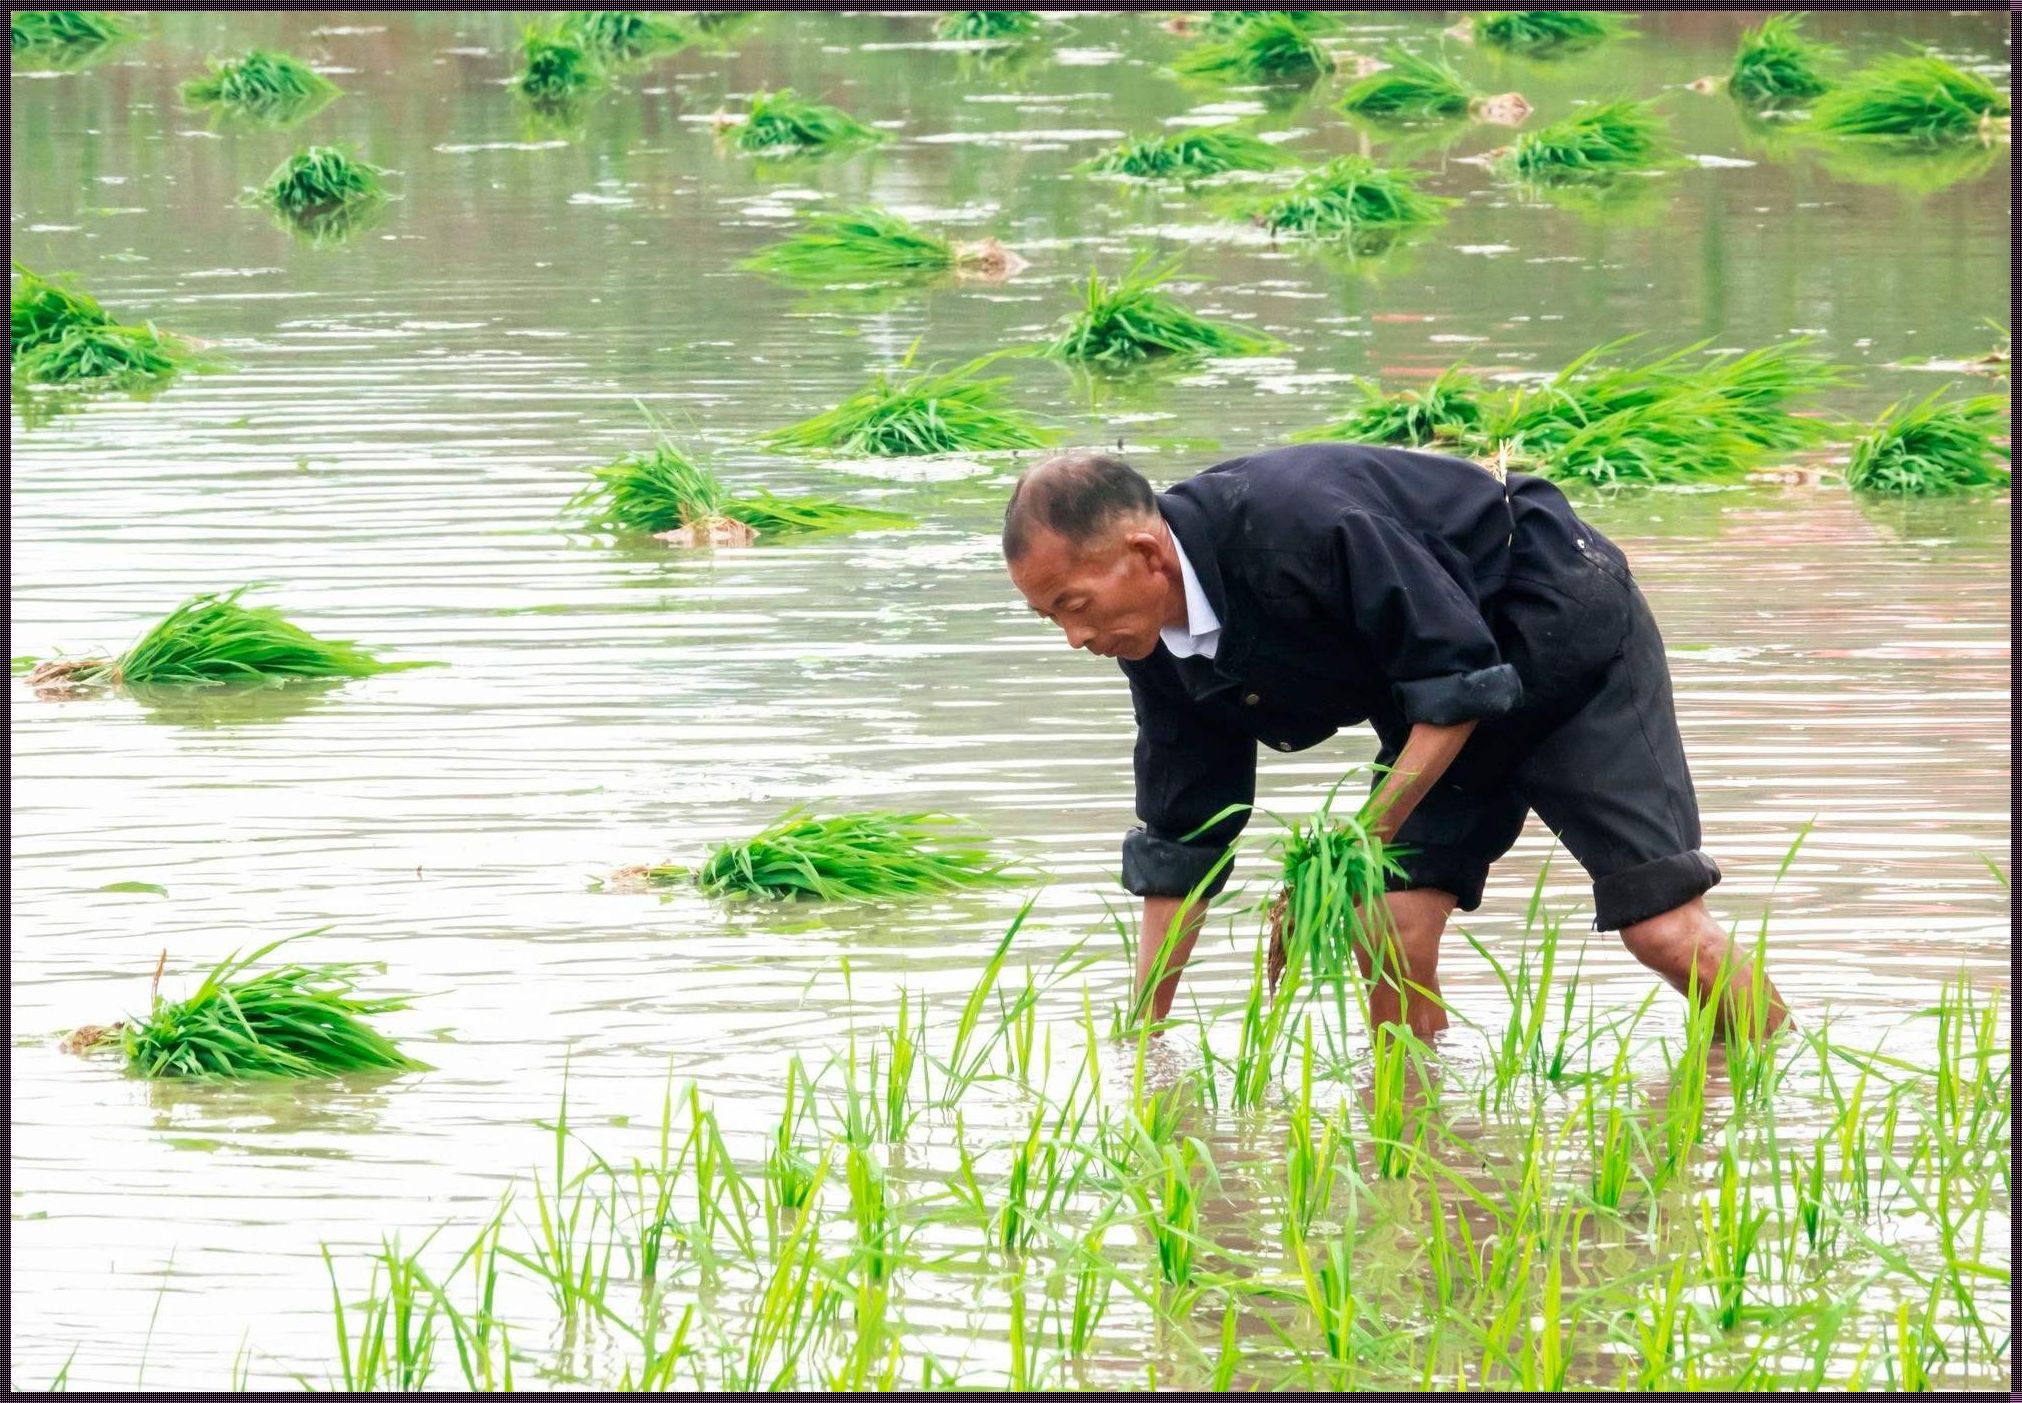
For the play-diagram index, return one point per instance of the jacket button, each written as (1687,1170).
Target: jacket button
(1251,699)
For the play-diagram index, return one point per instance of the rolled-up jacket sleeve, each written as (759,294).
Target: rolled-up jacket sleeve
(1189,768)
(1423,624)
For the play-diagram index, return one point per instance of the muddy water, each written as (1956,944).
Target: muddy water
(392,448)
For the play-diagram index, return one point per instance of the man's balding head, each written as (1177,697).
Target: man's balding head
(1078,496)
(1088,549)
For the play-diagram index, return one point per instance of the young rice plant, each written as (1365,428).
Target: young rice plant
(1603,139)
(1351,197)
(1776,64)
(1933,447)
(1911,97)
(1271,47)
(1186,155)
(1133,320)
(871,242)
(267,86)
(320,179)
(908,414)
(1450,408)
(1546,33)
(780,121)
(870,856)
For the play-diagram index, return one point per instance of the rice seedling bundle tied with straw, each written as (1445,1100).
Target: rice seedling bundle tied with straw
(1603,139)
(664,492)
(987,24)
(269,86)
(1546,32)
(1132,320)
(59,335)
(1198,151)
(294,1021)
(622,36)
(1915,98)
(1350,196)
(871,242)
(782,122)
(847,857)
(1933,448)
(905,415)
(35,30)
(557,67)
(212,639)
(321,179)
(1271,47)
(1452,407)
(1411,87)
(1777,64)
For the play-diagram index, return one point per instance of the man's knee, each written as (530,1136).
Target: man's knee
(1420,915)
(1671,941)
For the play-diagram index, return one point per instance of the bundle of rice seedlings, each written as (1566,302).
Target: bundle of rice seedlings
(1268,47)
(38,30)
(664,492)
(1912,97)
(62,336)
(987,24)
(1546,32)
(620,36)
(1604,139)
(931,411)
(1931,448)
(1220,23)
(213,639)
(780,121)
(1450,408)
(1412,87)
(1333,871)
(268,86)
(1776,64)
(555,69)
(321,178)
(871,242)
(294,1021)
(1350,195)
(1132,320)
(1197,151)
(848,857)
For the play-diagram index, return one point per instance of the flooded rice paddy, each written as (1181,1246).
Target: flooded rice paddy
(404,416)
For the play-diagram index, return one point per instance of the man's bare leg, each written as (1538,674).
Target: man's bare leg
(1686,939)
(1408,990)
(1158,917)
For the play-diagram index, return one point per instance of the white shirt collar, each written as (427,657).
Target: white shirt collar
(1203,631)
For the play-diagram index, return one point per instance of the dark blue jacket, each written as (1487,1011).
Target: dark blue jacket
(1354,584)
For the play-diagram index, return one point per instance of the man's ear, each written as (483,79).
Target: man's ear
(1144,545)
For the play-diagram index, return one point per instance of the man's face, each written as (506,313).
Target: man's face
(1110,596)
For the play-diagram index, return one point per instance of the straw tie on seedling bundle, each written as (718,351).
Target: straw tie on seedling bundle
(848,857)
(666,494)
(264,86)
(929,411)
(1133,320)
(213,639)
(871,242)
(1413,88)
(294,1021)
(59,335)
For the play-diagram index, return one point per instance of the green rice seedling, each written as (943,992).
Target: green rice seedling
(292,1021)
(394,1346)
(1777,65)
(987,24)
(38,31)
(1912,97)
(799,1302)
(1222,23)
(1399,1119)
(663,491)
(878,1245)
(1932,447)
(928,411)
(1269,47)
(871,856)
(263,85)
(867,242)
(781,121)
(1602,139)
(107,357)
(1171,1205)
(1661,1320)
(1812,1197)
(1333,872)
(41,310)
(1190,154)
(1133,320)
(1261,1050)
(1683,1118)
(1349,197)
(1329,1282)
(556,66)
(1310,1170)
(1410,88)
(1730,1230)
(211,639)
(1546,32)
(1614,1139)
(789,1174)
(321,178)
(622,36)
(1519,1052)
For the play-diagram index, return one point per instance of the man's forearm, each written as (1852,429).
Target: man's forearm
(1159,914)
(1427,752)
